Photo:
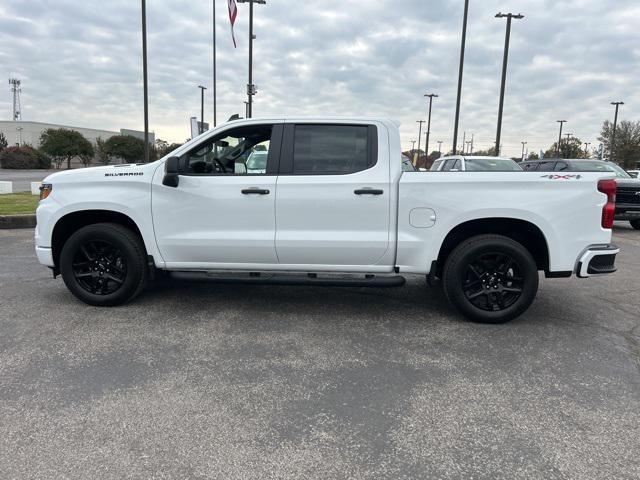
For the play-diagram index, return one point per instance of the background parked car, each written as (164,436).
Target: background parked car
(628,192)
(634,173)
(461,163)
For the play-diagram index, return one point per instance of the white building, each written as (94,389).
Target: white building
(28,133)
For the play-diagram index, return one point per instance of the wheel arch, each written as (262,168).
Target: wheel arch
(524,232)
(73,221)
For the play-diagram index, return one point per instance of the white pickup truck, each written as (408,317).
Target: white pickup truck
(330,206)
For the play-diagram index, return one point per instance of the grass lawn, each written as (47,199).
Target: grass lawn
(18,203)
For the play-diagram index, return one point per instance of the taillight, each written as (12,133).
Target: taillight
(608,187)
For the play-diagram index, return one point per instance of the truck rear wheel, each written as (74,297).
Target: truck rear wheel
(104,264)
(490,278)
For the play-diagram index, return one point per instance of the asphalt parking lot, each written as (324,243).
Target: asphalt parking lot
(22,178)
(239,382)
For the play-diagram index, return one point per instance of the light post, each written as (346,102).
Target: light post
(439,148)
(202,89)
(586,149)
(561,122)
(523,145)
(460,69)
(431,97)
(509,17)
(251,88)
(413,146)
(419,137)
(613,134)
(144,82)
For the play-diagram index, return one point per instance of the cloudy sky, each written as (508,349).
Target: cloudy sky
(80,63)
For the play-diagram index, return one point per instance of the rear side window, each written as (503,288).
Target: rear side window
(452,164)
(332,149)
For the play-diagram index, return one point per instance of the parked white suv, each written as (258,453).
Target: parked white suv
(332,207)
(460,163)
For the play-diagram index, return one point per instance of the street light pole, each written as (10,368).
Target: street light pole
(561,122)
(251,88)
(419,137)
(215,113)
(586,149)
(509,17)
(439,148)
(523,145)
(613,135)
(460,69)
(144,82)
(413,146)
(431,97)
(202,89)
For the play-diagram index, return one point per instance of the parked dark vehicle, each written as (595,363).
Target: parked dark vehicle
(628,192)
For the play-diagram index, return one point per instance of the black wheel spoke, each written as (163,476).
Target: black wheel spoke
(493,281)
(99,267)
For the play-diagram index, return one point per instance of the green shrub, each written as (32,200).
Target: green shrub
(23,158)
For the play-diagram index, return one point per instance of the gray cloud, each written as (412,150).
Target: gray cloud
(80,63)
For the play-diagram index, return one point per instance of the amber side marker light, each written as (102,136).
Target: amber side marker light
(45,190)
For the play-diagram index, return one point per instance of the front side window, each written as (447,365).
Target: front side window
(239,151)
(452,164)
(331,149)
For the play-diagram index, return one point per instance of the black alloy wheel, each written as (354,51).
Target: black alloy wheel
(99,267)
(493,282)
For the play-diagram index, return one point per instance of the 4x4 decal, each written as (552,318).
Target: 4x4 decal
(562,177)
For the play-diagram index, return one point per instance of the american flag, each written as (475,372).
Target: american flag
(233,13)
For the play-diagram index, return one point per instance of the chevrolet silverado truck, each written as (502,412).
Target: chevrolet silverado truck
(330,206)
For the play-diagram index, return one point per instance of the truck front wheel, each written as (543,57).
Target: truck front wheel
(490,278)
(104,264)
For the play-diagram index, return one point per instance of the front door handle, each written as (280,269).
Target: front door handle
(255,191)
(368,191)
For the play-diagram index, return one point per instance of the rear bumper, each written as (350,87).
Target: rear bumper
(627,211)
(597,260)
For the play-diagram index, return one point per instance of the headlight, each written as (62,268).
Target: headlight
(45,190)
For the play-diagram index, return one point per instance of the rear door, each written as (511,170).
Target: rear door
(333,195)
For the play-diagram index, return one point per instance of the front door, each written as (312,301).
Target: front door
(333,196)
(222,213)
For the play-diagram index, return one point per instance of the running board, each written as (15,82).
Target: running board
(260,278)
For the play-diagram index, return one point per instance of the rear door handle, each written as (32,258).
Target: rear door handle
(255,191)
(368,191)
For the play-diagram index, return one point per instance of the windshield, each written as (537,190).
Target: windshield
(592,166)
(491,164)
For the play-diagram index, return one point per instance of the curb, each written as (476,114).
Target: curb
(17,221)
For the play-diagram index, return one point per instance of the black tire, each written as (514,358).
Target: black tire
(482,277)
(635,224)
(104,264)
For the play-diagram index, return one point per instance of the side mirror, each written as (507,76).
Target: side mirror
(171,177)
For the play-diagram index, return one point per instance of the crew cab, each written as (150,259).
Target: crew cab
(332,206)
(468,163)
(628,191)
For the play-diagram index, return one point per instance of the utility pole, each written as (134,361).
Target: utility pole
(523,145)
(561,122)
(251,88)
(144,82)
(419,137)
(586,149)
(439,148)
(613,135)
(202,89)
(431,97)
(460,69)
(509,17)
(215,113)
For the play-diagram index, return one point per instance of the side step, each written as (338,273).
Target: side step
(260,278)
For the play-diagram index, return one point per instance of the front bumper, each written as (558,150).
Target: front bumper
(45,256)
(597,260)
